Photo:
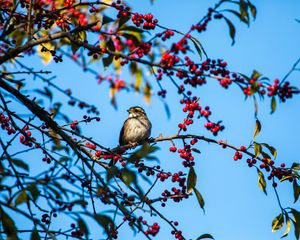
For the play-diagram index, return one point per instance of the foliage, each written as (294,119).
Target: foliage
(81,173)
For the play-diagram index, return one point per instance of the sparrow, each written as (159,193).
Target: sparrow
(137,127)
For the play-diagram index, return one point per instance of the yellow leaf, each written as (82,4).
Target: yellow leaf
(147,93)
(46,56)
(138,80)
(117,65)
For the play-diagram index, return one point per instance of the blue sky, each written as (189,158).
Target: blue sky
(235,207)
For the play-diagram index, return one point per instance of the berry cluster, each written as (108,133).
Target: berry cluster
(168,60)
(27,139)
(166,35)
(177,234)
(6,124)
(153,230)
(76,233)
(214,127)
(284,92)
(146,20)
(46,218)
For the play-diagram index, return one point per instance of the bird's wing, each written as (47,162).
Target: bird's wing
(121,137)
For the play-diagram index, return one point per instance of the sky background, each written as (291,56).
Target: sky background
(235,208)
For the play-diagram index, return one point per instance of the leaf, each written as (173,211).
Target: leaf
(196,44)
(46,56)
(32,188)
(138,80)
(167,110)
(237,14)
(19,163)
(82,226)
(253,10)
(192,180)
(35,235)
(273,105)
(261,181)
(257,128)
(8,225)
(134,36)
(296,166)
(288,226)
(106,19)
(271,149)
(255,106)
(296,222)
(257,149)
(255,74)
(131,29)
(204,236)
(107,61)
(128,176)
(22,197)
(199,198)
(147,93)
(277,223)
(196,150)
(231,29)
(296,188)
(104,221)
(123,20)
(143,152)
(111,172)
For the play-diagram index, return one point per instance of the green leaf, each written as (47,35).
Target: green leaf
(192,180)
(296,188)
(273,105)
(296,166)
(199,198)
(197,45)
(82,226)
(231,29)
(277,223)
(128,176)
(288,226)
(108,60)
(104,221)
(257,149)
(123,20)
(296,222)
(253,10)
(261,181)
(134,37)
(244,9)
(256,74)
(106,19)
(205,236)
(143,152)
(22,197)
(35,235)
(8,225)
(237,14)
(19,163)
(257,128)
(111,172)
(131,29)
(271,149)
(32,188)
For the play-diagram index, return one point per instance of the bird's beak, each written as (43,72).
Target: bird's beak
(128,110)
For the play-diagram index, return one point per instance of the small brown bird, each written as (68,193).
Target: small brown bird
(137,127)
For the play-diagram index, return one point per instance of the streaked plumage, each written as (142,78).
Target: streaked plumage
(137,127)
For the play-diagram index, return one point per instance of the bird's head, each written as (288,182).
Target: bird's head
(136,111)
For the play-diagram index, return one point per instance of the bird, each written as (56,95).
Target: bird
(136,128)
